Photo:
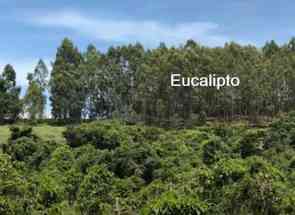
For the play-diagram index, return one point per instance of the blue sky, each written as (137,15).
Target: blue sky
(34,29)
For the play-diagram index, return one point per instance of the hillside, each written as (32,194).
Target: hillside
(107,167)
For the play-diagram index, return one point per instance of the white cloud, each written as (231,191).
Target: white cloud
(148,32)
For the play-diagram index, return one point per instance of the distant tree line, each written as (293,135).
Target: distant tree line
(133,83)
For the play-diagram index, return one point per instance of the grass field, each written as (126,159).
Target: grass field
(4,133)
(45,132)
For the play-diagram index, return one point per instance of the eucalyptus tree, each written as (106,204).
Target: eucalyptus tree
(65,85)
(35,98)
(10,102)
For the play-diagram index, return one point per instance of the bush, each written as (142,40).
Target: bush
(49,191)
(213,150)
(95,191)
(281,132)
(22,148)
(25,146)
(259,194)
(5,207)
(172,203)
(144,134)
(100,134)
(62,159)
(139,159)
(251,143)
(18,132)
(228,171)
(108,168)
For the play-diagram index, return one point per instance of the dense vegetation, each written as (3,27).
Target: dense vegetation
(109,167)
(132,83)
(149,148)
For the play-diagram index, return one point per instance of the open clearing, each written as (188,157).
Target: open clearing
(45,132)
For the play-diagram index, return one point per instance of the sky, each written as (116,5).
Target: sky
(34,29)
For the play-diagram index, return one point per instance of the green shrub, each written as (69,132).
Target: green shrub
(259,194)
(172,203)
(281,132)
(22,148)
(25,146)
(228,171)
(100,134)
(251,143)
(144,133)
(213,150)
(62,159)
(95,193)
(18,132)
(49,191)
(139,159)
(5,206)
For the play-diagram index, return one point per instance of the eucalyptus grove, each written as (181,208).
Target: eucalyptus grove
(134,83)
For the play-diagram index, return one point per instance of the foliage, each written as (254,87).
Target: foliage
(10,103)
(110,167)
(65,85)
(171,203)
(95,190)
(132,83)
(35,100)
(101,135)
